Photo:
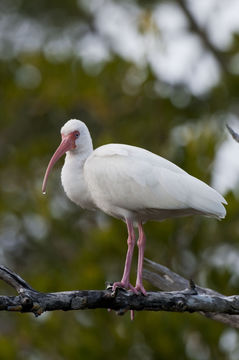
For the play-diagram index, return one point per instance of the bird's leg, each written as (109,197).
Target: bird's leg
(131,242)
(141,245)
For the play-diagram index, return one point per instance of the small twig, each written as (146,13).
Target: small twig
(233,133)
(192,285)
(14,280)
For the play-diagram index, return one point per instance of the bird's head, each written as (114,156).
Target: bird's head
(75,137)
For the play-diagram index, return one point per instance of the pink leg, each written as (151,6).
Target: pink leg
(141,245)
(131,242)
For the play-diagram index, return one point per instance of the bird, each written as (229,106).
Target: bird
(131,184)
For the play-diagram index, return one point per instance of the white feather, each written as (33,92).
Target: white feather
(129,182)
(137,181)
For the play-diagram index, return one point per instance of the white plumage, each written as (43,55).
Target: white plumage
(126,181)
(131,184)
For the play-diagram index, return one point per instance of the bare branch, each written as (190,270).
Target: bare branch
(191,299)
(14,280)
(167,280)
(233,133)
(179,301)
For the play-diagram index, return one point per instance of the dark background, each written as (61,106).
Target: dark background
(157,74)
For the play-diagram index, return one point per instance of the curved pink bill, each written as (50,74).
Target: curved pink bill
(66,145)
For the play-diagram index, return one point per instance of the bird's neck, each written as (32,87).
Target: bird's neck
(72,176)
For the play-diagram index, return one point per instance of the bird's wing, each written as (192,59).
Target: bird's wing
(135,179)
(136,153)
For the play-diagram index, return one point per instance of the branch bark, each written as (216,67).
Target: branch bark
(167,280)
(186,298)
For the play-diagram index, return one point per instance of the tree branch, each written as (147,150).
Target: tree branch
(233,133)
(167,280)
(14,280)
(191,299)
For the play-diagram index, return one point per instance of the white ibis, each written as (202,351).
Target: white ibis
(131,184)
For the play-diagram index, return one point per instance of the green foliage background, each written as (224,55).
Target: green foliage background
(56,246)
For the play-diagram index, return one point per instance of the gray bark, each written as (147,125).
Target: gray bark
(187,297)
(167,280)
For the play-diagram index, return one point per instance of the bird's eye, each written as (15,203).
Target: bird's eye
(77,134)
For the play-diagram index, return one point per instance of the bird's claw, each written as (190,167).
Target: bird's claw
(140,289)
(125,286)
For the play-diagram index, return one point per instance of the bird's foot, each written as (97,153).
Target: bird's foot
(140,289)
(124,285)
